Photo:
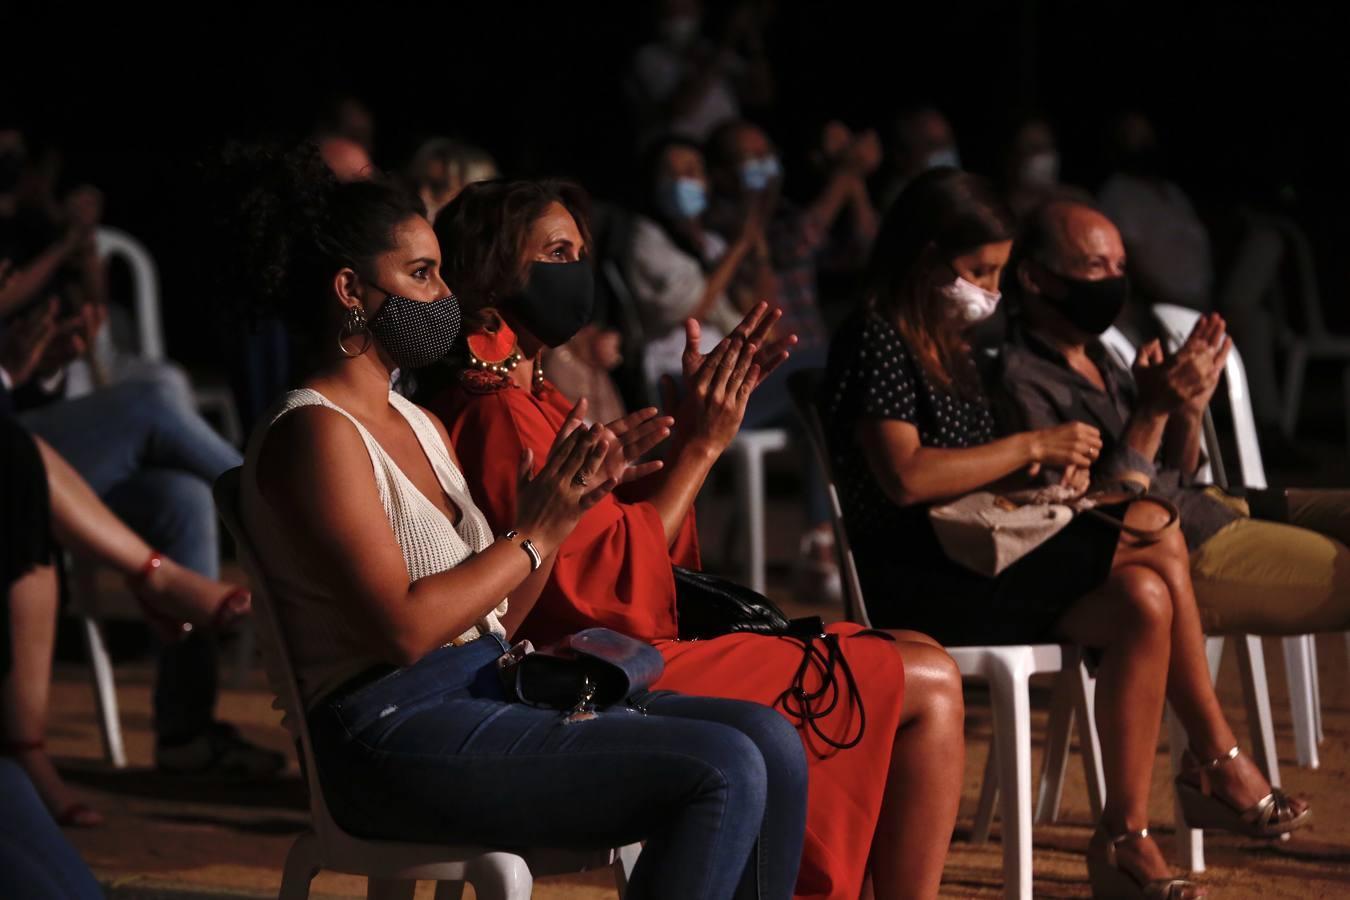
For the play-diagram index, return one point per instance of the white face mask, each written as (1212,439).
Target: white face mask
(969,302)
(1040,169)
(943,157)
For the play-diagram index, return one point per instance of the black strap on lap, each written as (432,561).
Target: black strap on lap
(810,706)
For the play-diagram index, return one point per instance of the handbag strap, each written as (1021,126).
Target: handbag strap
(1144,535)
(806,706)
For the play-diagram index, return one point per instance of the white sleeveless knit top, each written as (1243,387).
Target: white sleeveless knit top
(326,647)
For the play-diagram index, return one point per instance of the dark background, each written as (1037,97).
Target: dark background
(1250,99)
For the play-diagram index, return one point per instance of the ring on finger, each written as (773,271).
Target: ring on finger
(579,479)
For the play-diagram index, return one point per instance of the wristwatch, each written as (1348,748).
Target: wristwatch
(528,546)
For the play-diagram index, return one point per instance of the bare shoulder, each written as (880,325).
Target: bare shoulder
(309,444)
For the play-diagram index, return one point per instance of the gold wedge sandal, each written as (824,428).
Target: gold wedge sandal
(1110,882)
(1269,817)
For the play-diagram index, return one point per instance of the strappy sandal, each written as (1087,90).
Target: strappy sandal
(1111,882)
(73,815)
(169,628)
(1269,817)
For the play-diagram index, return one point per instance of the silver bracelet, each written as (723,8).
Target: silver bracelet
(536,561)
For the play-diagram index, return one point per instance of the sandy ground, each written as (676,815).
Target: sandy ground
(174,836)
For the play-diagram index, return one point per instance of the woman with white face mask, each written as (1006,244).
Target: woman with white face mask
(1031,169)
(677,269)
(910,427)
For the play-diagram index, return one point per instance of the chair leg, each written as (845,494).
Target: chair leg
(1058,735)
(1297,666)
(449,890)
(1293,388)
(390,888)
(625,858)
(750,491)
(500,876)
(302,864)
(984,809)
(1089,744)
(1012,736)
(1256,696)
(1316,689)
(105,693)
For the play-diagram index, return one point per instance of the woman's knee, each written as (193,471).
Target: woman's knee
(1143,601)
(932,684)
(727,761)
(778,744)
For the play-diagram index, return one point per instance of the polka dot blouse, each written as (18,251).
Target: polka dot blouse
(873,375)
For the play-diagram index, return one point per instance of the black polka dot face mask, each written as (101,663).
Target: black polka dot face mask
(416,333)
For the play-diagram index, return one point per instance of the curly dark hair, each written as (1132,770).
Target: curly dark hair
(483,233)
(290,225)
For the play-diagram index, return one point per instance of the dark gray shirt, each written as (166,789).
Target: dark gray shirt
(1039,389)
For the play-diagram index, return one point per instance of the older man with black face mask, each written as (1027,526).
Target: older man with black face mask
(1271,562)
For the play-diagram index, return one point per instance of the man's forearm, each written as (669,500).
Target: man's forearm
(1181,444)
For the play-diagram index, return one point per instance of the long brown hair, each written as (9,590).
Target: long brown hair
(939,216)
(483,231)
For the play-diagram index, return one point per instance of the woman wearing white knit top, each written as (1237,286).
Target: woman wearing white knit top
(396,600)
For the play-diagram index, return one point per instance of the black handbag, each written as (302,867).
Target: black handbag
(592,669)
(709,606)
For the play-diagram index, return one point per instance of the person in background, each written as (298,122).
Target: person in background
(921,139)
(686,84)
(746,178)
(346,116)
(1170,260)
(1032,168)
(138,441)
(677,268)
(345,158)
(441,168)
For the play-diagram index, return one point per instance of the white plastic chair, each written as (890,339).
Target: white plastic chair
(1316,342)
(1007,670)
(113,243)
(392,867)
(1300,651)
(747,453)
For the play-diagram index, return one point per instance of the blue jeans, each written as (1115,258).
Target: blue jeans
(36,861)
(716,788)
(152,459)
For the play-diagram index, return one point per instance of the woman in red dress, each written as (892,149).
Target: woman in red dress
(514,252)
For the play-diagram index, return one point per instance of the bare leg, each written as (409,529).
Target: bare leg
(923,786)
(1130,621)
(90,530)
(25,691)
(1191,690)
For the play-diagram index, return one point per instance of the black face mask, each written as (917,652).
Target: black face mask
(1090,306)
(416,333)
(556,302)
